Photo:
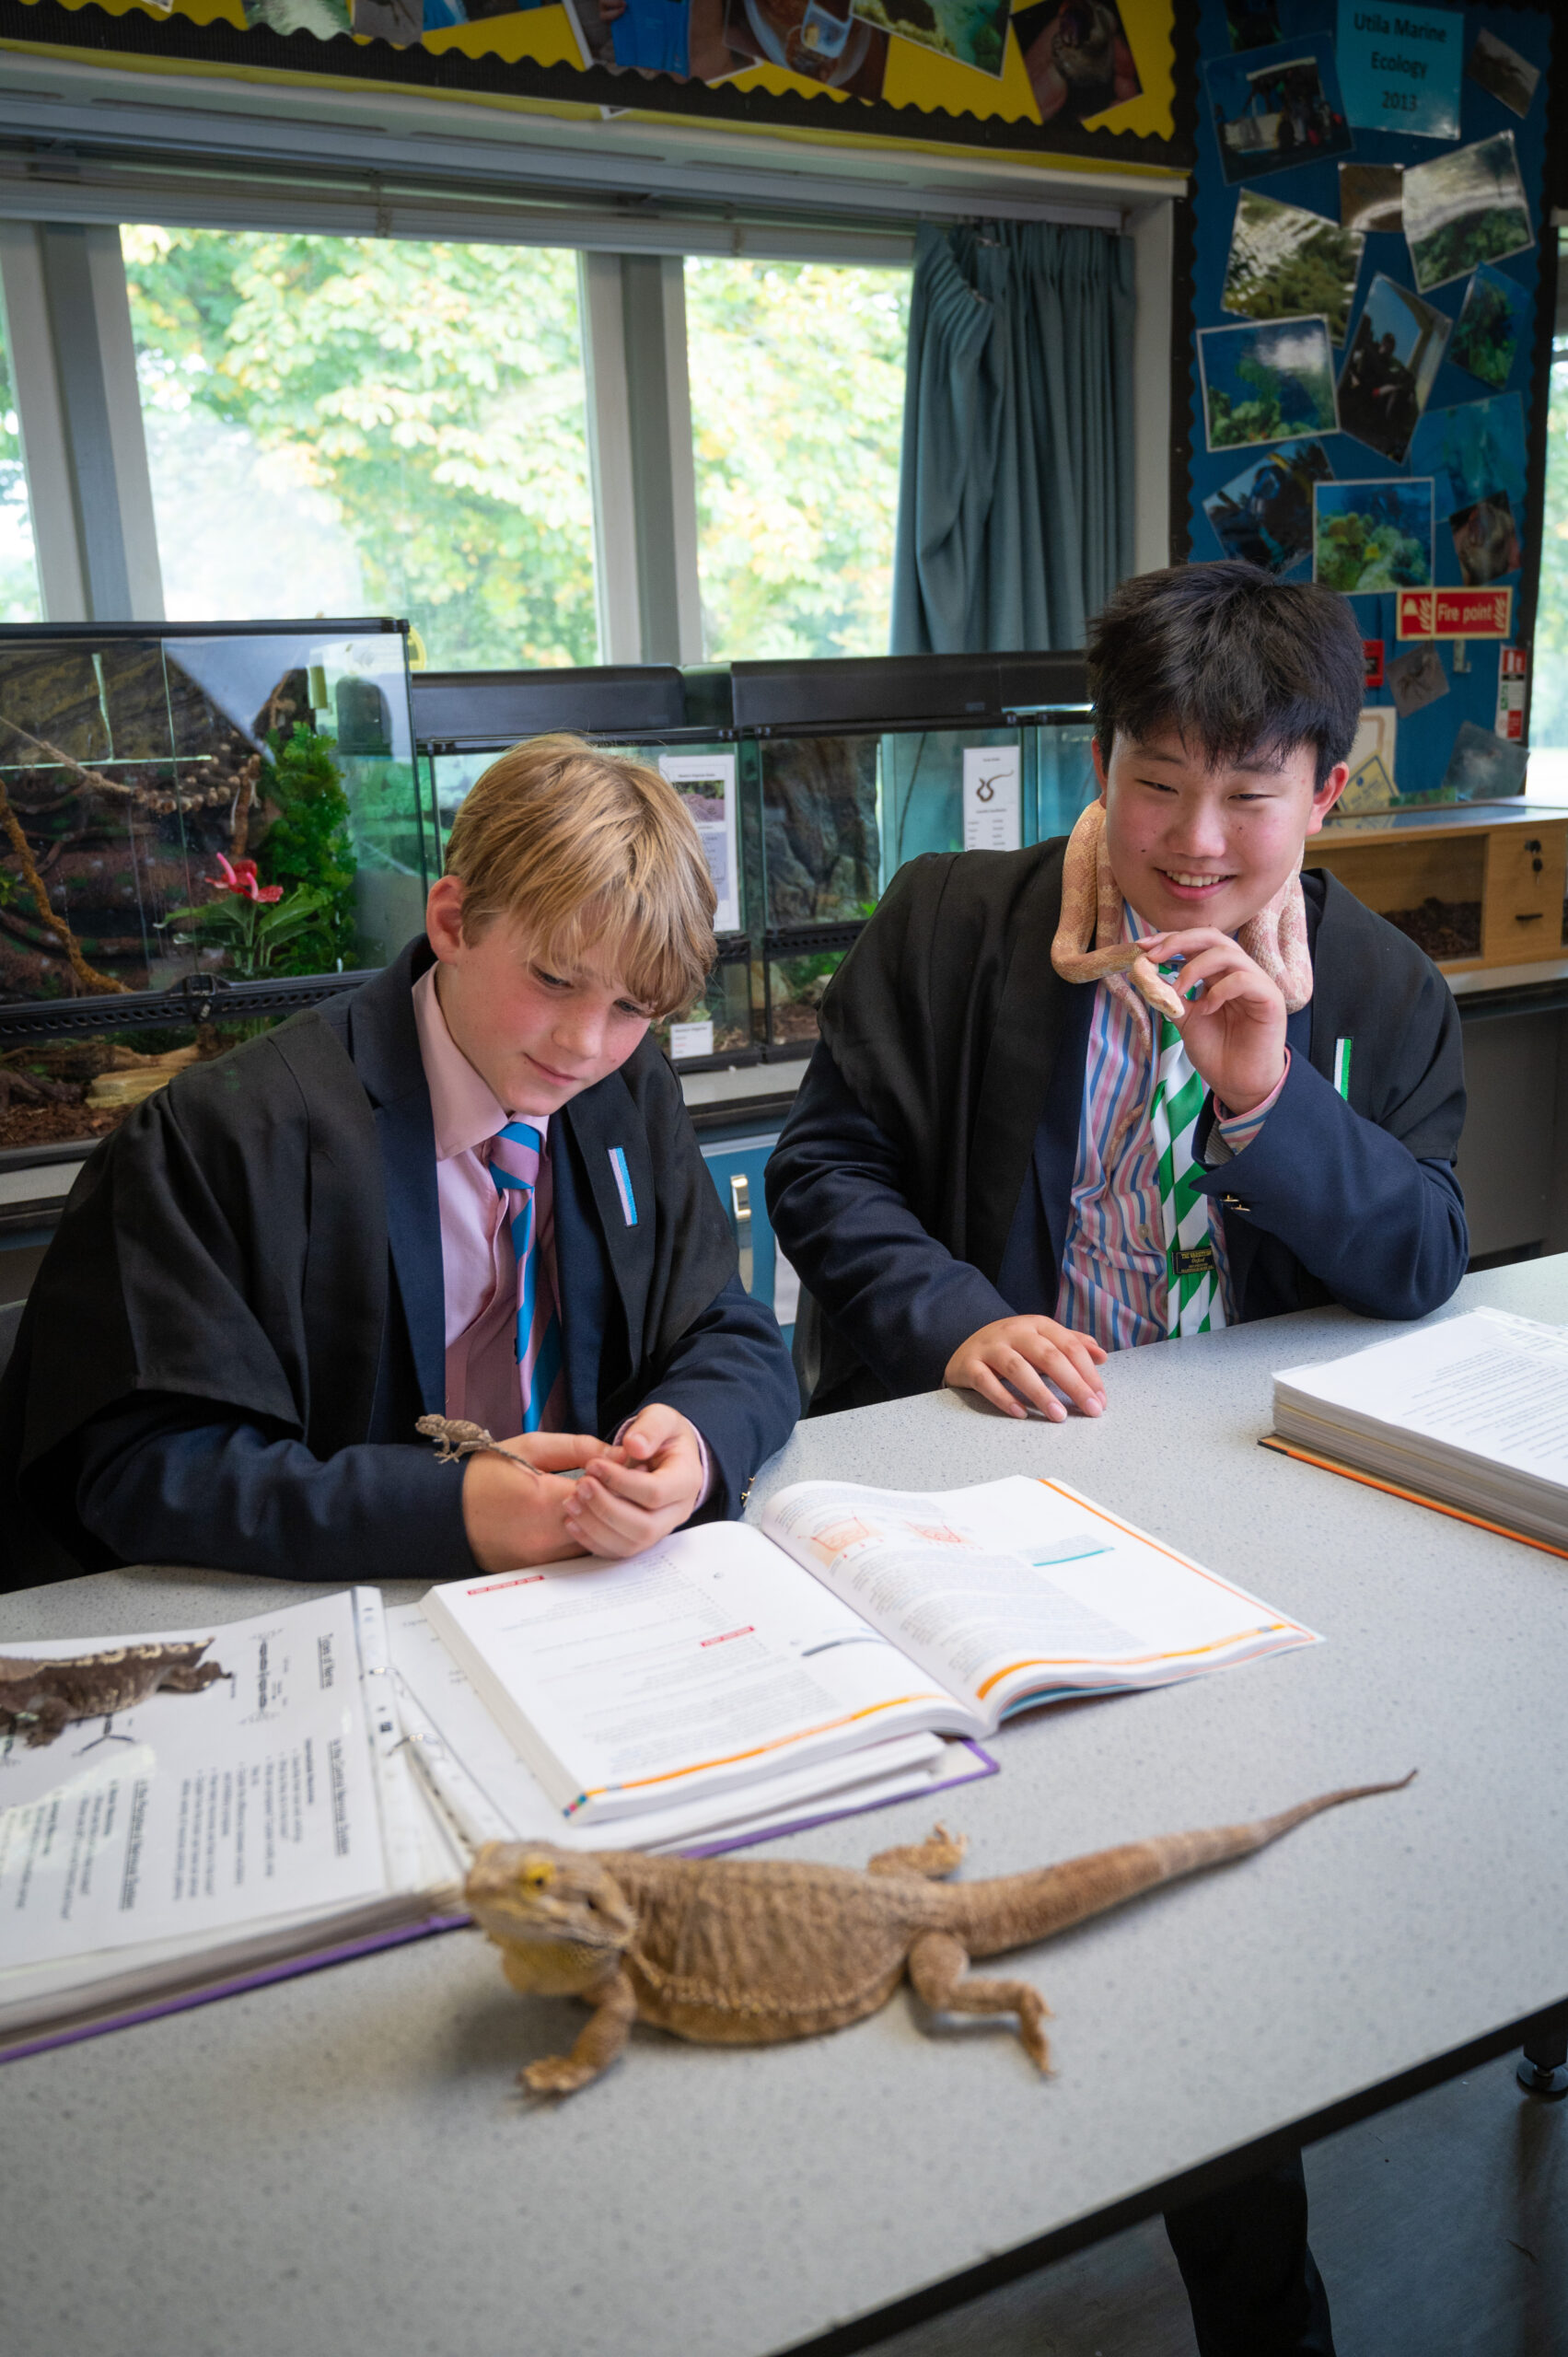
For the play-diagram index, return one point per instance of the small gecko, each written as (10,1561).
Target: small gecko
(458,1439)
(38,1698)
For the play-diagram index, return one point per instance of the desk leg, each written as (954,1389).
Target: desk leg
(1544,2066)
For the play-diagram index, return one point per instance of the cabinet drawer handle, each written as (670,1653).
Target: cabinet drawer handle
(1529,916)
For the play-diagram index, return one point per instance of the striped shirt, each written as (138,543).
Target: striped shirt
(1114,1271)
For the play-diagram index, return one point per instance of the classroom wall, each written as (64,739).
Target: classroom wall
(1512,454)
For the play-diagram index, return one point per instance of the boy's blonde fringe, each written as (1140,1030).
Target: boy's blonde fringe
(596,857)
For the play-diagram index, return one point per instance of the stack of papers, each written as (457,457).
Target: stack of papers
(1472,1413)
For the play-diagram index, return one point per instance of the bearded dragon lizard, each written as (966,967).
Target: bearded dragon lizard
(748,1952)
(38,1698)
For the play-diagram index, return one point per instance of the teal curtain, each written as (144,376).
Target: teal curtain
(1016,486)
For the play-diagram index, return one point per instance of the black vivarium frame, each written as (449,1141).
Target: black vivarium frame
(747,705)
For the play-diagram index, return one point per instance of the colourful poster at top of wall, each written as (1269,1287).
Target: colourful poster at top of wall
(1400,67)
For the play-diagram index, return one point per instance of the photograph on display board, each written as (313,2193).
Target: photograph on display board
(1472,450)
(1481,768)
(1372,536)
(1504,71)
(1370,762)
(1265,513)
(1369,788)
(1388,371)
(1464,208)
(404,21)
(1372,197)
(325,19)
(1490,327)
(1417,679)
(684,38)
(971,33)
(1252,24)
(1486,540)
(1077,57)
(823,41)
(1271,382)
(1288,264)
(1275,108)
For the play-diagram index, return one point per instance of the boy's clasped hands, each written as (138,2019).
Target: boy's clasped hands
(630,1493)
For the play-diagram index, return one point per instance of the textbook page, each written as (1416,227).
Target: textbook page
(1016,1590)
(492,1794)
(707,1661)
(195,1814)
(1475,1407)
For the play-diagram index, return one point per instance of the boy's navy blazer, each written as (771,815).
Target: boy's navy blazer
(922,1184)
(242,1313)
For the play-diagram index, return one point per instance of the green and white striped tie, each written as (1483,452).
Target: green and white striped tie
(1194,1304)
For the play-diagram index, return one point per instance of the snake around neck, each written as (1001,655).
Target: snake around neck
(1274,939)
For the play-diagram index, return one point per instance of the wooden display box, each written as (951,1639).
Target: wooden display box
(1476,883)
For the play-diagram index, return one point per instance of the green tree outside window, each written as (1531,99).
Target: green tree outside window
(329,416)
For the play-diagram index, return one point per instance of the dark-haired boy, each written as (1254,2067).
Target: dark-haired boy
(970,1183)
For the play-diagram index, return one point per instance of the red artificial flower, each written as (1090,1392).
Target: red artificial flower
(240,879)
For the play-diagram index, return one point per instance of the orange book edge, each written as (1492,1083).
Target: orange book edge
(1414,1497)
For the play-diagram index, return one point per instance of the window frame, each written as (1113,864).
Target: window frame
(67,323)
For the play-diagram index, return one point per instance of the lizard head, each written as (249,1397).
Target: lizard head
(530,1891)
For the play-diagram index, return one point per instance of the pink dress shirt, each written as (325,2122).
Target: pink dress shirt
(1114,1272)
(478,1267)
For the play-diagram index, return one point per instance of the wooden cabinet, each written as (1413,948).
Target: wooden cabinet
(1478,885)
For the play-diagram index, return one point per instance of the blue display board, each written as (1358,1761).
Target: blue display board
(1433,353)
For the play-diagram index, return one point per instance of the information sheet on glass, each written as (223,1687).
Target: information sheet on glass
(705,782)
(993,806)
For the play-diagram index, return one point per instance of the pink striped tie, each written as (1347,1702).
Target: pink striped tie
(514,1166)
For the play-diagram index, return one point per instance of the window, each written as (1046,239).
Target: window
(797,390)
(19,600)
(345,426)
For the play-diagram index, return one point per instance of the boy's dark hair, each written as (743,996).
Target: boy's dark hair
(1237,662)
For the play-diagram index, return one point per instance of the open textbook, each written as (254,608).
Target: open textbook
(846,1617)
(489,1794)
(1472,1413)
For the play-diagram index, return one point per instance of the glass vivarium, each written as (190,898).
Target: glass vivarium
(842,814)
(805,820)
(238,802)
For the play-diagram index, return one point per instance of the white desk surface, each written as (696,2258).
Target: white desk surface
(339,2163)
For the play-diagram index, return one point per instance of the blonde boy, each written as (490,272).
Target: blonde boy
(469,1187)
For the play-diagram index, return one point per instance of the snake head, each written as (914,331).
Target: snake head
(1157,992)
(533,1892)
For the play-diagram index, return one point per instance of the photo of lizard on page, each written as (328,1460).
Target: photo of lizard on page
(1005,1161)
(467,1188)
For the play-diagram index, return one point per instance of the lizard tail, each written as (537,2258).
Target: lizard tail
(1014,1911)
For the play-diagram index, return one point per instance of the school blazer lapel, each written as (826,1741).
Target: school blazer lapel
(384,1043)
(1035,1014)
(612,1157)
(1303,1037)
